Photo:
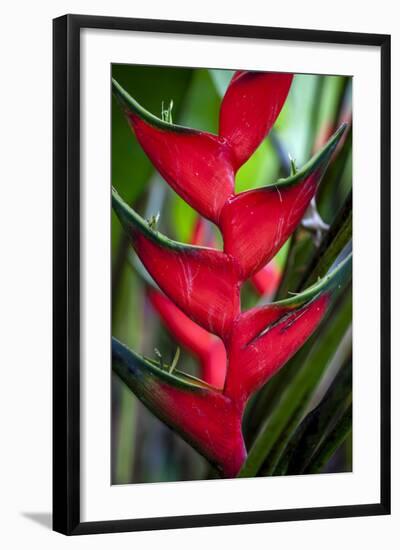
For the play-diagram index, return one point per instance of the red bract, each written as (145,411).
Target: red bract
(209,350)
(257,355)
(262,340)
(201,281)
(197,165)
(255,224)
(202,284)
(249,109)
(200,166)
(205,346)
(205,417)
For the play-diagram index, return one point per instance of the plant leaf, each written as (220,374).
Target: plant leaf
(313,429)
(331,443)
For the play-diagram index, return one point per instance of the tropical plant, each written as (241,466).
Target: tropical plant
(230,415)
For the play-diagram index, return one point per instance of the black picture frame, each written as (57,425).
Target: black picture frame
(66,273)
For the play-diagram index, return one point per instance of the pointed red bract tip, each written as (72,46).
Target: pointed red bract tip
(195,164)
(249,109)
(205,346)
(202,282)
(204,417)
(255,224)
(211,422)
(185,331)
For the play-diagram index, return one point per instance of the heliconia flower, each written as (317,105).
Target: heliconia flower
(262,341)
(199,235)
(200,166)
(208,349)
(254,224)
(202,415)
(203,282)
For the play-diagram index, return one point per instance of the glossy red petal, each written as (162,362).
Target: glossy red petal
(197,165)
(249,109)
(202,282)
(255,224)
(204,417)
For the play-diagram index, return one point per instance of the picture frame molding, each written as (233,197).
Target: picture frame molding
(66,272)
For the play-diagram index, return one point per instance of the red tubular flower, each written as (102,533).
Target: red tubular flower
(202,285)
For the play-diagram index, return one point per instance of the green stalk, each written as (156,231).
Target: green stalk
(332,442)
(337,237)
(312,431)
(332,190)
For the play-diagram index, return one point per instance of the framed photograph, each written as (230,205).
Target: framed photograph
(221,312)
